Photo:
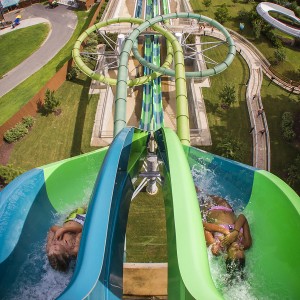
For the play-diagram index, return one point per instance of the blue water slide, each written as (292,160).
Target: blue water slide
(99,268)
(36,200)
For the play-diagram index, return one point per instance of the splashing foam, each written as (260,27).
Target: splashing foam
(205,181)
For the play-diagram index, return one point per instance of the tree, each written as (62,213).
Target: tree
(293,171)
(227,95)
(231,148)
(51,102)
(280,55)
(287,124)
(222,13)
(257,27)
(206,3)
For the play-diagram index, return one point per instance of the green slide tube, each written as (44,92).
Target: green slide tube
(188,269)
(111,81)
(182,115)
(274,260)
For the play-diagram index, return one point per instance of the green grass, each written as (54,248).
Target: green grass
(53,138)
(146,239)
(17,45)
(276,101)
(11,102)
(233,8)
(287,68)
(235,120)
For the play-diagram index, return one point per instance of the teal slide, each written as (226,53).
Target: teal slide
(28,207)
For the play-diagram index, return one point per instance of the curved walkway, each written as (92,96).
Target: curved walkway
(263,10)
(259,126)
(63,22)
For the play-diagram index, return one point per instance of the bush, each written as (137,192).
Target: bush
(293,172)
(271,36)
(28,121)
(287,123)
(206,3)
(73,73)
(243,15)
(280,55)
(15,133)
(51,102)
(231,148)
(227,95)
(8,173)
(222,14)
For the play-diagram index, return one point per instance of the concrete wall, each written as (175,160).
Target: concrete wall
(145,279)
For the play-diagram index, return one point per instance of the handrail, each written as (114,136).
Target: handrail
(269,70)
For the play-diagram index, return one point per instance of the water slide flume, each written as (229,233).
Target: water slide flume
(264,9)
(27,206)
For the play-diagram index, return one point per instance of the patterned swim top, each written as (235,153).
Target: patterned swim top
(78,215)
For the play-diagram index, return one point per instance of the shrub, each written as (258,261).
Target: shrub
(231,148)
(243,15)
(280,55)
(287,123)
(51,102)
(8,173)
(206,3)
(257,27)
(227,95)
(293,172)
(28,121)
(271,36)
(73,73)
(15,133)
(222,14)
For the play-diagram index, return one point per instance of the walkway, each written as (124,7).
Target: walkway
(63,22)
(259,126)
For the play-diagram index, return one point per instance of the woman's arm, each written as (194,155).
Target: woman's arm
(215,228)
(70,228)
(49,239)
(239,223)
(75,250)
(247,241)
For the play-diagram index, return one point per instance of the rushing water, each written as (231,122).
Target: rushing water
(50,285)
(206,182)
(36,279)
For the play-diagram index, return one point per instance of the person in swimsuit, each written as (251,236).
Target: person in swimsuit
(63,241)
(226,233)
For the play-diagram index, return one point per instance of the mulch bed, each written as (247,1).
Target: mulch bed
(5,151)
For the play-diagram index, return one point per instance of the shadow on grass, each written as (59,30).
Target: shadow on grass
(80,117)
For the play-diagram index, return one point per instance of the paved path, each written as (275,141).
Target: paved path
(63,22)
(259,126)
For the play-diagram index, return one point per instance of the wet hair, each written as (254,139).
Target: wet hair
(59,262)
(235,269)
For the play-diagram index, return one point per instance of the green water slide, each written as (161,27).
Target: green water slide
(273,210)
(152,111)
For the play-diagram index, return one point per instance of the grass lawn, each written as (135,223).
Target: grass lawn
(11,102)
(69,133)
(146,237)
(234,8)
(235,120)
(288,68)
(276,101)
(17,45)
